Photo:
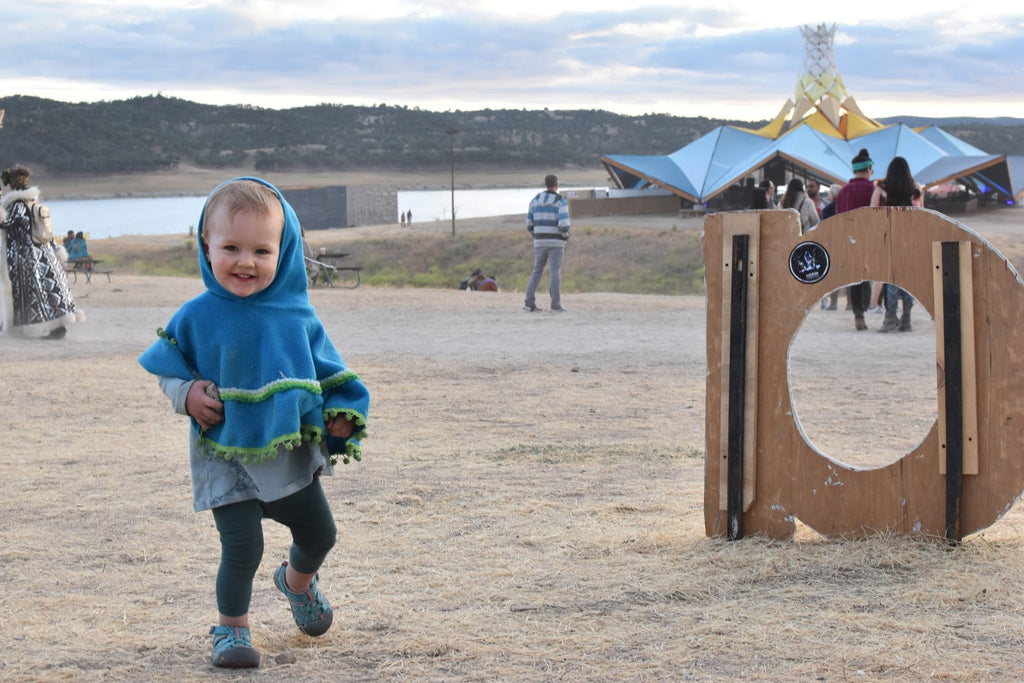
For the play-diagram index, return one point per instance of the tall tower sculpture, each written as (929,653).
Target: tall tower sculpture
(821,99)
(820,85)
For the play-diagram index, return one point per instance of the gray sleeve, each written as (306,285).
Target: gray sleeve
(176,389)
(812,213)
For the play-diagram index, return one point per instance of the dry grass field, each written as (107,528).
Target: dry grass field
(529,508)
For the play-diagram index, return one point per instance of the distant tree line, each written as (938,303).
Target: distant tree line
(156,133)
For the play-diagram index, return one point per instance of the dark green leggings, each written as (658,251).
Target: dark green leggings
(308,516)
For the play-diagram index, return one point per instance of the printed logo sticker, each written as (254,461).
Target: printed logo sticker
(808,262)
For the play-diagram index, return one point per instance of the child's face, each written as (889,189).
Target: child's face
(243,250)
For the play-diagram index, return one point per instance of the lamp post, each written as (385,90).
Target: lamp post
(451,155)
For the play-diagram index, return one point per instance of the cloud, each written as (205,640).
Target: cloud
(700,59)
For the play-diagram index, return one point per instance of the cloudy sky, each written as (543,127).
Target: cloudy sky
(684,57)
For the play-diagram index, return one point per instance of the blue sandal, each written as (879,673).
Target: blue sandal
(232,648)
(311,610)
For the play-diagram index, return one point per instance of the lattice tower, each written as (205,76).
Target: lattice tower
(820,77)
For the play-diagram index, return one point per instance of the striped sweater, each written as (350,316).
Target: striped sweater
(548,219)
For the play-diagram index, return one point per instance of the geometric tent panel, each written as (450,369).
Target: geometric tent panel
(948,143)
(658,170)
(710,165)
(951,168)
(1015,168)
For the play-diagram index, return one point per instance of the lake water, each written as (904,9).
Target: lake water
(100,218)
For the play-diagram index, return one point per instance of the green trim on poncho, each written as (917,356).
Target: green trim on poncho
(275,368)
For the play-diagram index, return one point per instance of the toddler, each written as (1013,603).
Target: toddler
(272,406)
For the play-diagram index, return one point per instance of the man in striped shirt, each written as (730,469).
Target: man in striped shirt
(548,221)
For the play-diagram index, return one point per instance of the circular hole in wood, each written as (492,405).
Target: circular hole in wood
(862,398)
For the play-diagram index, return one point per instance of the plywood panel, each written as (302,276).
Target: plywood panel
(794,481)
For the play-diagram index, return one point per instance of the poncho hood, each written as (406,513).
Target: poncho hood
(276,370)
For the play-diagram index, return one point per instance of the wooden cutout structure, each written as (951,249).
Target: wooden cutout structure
(938,489)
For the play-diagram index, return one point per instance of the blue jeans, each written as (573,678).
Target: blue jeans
(541,257)
(893,294)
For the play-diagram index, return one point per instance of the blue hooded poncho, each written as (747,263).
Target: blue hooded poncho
(276,370)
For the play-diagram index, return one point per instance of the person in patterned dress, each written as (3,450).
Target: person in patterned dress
(36,300)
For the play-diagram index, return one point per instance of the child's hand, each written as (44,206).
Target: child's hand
(205,409)
(340,426)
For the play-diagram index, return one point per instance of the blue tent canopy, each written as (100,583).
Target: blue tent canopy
(712,164)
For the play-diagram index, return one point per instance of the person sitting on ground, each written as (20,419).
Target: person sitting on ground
(473,281)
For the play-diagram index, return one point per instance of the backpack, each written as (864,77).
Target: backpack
(39,215)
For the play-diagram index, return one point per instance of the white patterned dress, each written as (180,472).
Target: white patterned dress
(36,298)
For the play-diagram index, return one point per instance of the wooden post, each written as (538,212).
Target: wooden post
(953,380)
(737,384)
(968,355)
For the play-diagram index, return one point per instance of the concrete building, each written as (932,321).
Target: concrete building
(343,206)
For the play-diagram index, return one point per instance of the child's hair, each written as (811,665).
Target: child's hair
(241,195)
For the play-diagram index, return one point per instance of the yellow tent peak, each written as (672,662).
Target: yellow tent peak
(774,129)
(857,126)
(821,123)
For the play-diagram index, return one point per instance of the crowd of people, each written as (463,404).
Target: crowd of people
(898,188)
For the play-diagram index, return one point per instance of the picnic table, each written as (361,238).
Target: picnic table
(87,266)
(325,265)
(333,257)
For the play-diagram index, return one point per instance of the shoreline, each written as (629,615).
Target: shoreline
(198,182)
(1003,227)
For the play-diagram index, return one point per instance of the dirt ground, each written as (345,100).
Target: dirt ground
(529,507)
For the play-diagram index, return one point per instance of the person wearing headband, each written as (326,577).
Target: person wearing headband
(854,195)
